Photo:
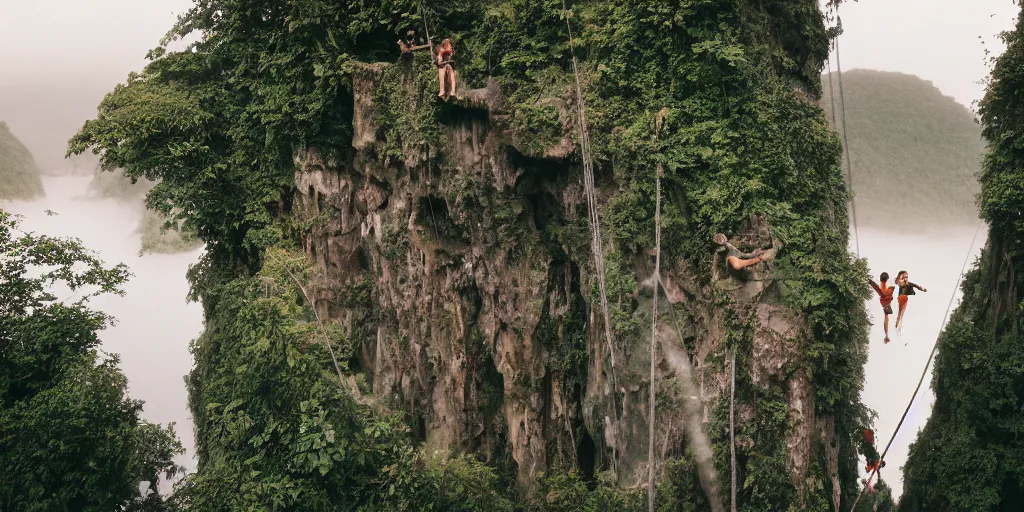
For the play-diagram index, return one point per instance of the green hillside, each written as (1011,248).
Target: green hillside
(915,152)
(19,175)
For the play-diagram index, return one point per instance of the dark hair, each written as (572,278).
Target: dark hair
(884,276)
(900,274)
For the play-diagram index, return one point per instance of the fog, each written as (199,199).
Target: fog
(934,260)
(154,321)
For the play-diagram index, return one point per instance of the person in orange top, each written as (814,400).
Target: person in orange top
(445,71)
(884,292)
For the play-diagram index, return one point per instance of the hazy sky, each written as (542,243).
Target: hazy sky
(59,57)
(937,40)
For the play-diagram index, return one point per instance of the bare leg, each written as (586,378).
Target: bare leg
(886,326)
(440,82)
(899,317)
(451,81)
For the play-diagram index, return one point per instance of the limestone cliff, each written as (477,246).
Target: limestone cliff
(492,340)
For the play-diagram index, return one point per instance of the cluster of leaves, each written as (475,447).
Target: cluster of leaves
(19,175)
(70,438)
(977,418)
(276,431)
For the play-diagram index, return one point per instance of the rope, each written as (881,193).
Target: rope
(732,427)
(927,364)
(651,462)
(846,144)
(595,221)
(832,94)
(426,30)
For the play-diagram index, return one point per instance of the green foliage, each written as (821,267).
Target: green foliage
(915,152)
(275,431)
(158,238)
(566,492)
(70,438)
(977,419)
(1002,175)
(19,175)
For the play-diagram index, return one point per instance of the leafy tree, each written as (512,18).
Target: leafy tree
(70,438)
(968,456)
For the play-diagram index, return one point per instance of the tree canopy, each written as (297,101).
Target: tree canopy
(70,437)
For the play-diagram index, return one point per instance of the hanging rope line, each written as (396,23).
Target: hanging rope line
(732,427)
(595,220)
(426,30)
(832,94)
(651,461)
(846,142)
(935,347)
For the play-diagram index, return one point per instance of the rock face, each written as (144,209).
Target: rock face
(474,314)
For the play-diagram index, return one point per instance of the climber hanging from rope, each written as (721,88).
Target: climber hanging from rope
(906,290)
(445,71)
(884,292)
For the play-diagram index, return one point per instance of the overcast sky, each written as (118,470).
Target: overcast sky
(937,40)
(59,57)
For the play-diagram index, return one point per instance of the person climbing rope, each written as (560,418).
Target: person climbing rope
(737,259)
(906,290)
(874,461)
(885,298)
(408,44)
(445,71)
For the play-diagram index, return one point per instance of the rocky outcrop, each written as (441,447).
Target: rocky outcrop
(468,313)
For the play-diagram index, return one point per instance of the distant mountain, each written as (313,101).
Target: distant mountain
(155,238)
(915,152)
(19,175)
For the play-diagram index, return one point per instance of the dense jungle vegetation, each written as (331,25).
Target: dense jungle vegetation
(968,456)
(19,175)
(70,438)
(900,129)
(217,127)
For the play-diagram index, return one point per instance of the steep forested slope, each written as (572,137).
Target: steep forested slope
(19,176)
(969,455)
(915,152)
(434,256)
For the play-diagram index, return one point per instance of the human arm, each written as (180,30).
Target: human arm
(912,285)
(875,286)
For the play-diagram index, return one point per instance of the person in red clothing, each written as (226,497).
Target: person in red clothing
(906,290)
(884,292)
(445,71)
